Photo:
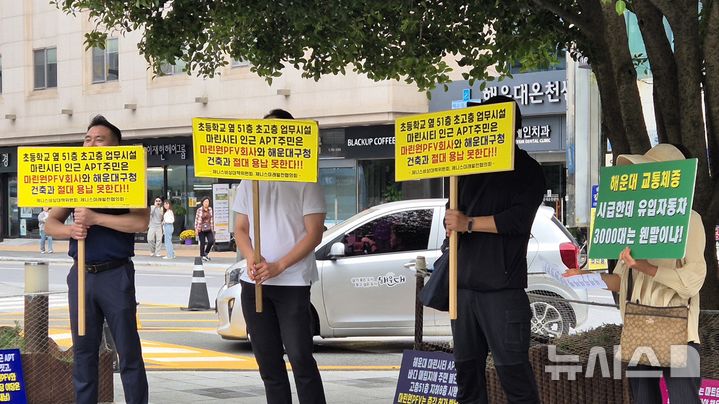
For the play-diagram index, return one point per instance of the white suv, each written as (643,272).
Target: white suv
(367,275)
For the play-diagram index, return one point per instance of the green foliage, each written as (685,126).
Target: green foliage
(384,40)
(11,337)
(392,193)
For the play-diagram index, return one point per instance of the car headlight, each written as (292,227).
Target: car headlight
(232,276)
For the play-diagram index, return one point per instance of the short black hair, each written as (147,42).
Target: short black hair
(100,120)
(279,114)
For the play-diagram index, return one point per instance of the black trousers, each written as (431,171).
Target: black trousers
(286,321)
(496,321)
(207,240)
(108,295)
(685,390)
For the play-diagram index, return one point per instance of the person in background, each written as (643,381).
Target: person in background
(494,221)
(109,236)
(154,231)
(168,227)
(41,219)
(205,228)
(293,215)
(663,283)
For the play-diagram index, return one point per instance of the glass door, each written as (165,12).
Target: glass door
(339,182)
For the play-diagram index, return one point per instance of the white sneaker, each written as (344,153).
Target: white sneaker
(42,252)
(204,258)
(50,252)
(168,258)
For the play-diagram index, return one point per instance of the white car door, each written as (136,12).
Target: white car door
(373,285)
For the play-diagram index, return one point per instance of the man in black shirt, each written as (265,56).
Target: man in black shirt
(494,220)
(109,236)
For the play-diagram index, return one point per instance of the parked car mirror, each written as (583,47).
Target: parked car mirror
(337,250)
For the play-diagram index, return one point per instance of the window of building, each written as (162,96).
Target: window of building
(168,69)
(242,62)
(106,62)
(45,68)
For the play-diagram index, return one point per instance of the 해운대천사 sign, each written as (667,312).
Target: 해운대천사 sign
(645,207)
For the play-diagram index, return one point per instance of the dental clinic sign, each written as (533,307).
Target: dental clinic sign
(645,207)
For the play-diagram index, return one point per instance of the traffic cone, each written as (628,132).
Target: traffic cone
(199,299)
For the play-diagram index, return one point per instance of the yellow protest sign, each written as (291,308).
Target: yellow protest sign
(457,142)
(256,149)
(89,177)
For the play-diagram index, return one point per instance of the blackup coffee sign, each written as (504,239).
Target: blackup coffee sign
(369,142)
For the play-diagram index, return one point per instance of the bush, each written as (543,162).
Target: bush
(187,234)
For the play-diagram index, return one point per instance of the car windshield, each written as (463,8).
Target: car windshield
(563,229)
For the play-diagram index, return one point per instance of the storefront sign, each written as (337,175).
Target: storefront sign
(7,159)
(93,177)
(256,149)
(645,207)
(541,134)
(168,151)
(457,142)
(221,211)
(12,384)
(426,377)
(369,142)
(538,93)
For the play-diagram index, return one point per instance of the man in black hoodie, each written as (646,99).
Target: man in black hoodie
(494,220)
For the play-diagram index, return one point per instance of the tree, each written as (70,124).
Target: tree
(411,41)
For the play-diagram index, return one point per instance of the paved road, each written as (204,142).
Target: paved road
(176,339)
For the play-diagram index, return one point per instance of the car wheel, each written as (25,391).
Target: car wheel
(549,319)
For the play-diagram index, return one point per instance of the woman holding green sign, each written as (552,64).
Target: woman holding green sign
(664,295)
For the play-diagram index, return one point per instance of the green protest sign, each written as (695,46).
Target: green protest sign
(645,207)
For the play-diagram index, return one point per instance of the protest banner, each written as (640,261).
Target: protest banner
(426,377)
(87,177)
(645,207)
(12,384)
(256,149)
(452,143)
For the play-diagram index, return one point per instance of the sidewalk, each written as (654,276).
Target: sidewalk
(350,387)
(19,249)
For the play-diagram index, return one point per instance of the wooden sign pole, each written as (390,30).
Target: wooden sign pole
(453,239)
(81,287)
(256,237)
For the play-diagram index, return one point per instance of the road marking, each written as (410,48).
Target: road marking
(199,359)
(11,305)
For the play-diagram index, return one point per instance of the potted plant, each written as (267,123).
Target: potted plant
(187,236)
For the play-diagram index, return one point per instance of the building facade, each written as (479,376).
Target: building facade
(51,86)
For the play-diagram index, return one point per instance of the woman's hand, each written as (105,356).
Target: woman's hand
(625,257)
(574,272)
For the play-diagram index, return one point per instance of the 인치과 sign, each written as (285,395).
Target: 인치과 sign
(256,149)
(645,207)
(457,142)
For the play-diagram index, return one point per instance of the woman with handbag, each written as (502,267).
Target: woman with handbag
(659,303)
(205,228)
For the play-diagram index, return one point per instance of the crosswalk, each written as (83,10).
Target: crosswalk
(17,303)
(165,356)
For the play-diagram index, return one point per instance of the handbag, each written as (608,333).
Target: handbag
(435,293)
(658,328)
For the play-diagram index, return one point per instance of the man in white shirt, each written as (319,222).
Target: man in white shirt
(154,231)
(292,221)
